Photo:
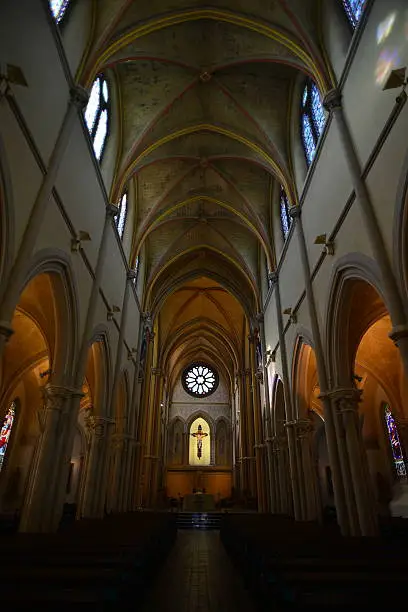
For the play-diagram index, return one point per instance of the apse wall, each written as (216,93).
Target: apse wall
(216,405)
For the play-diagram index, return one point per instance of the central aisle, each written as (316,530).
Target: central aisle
(198,576)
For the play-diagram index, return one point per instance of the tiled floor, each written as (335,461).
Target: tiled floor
(198,576)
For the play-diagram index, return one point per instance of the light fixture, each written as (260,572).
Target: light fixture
(10,74)
(328,244)
(395,79)
(292,315)
(81,236)
(111,312)
(131,353)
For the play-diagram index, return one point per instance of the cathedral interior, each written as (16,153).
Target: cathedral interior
(203,303)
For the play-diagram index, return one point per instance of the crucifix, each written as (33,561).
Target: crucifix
(200,435)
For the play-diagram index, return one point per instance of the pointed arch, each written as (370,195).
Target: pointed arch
(57,265)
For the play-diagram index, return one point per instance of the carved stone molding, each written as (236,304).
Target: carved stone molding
(345,400)
(79,96)
(98,426)
(111,210)
(332,100)
(294,212)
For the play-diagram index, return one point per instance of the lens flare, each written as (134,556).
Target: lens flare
(385,27)
(387,61)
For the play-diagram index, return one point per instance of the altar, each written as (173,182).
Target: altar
(199,502)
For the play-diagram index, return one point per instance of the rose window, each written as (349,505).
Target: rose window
(200,380)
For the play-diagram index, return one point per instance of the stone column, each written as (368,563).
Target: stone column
(329,417)
(95,483)
(63,455)
(257,419)
(119,352)
(399,333)
(294,473)
(120,446)
(280,446)
(244,479)
(38,509)
(156,438)
(116,380)
(346,402)
(12,288)
(250,438)
(305,430)
(134,427)
(128,483)
(269,432)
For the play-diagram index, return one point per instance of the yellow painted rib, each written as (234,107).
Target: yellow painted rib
(215,15)
(207,127)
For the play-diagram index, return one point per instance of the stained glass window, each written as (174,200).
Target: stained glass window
(6,431)
(97,115)
(393,437)
(121,217)
(313,119)
(200,380)
(354,10)
(284,213)
(58,8)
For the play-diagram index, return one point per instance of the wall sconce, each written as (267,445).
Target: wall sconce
(80,237)
(10,74)
(132,353)
(328,244)
(396,78)
(292,315)
(111,312)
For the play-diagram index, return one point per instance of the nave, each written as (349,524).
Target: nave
(144,562)
(198,575)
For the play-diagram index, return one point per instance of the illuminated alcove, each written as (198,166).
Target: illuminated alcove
(200,443)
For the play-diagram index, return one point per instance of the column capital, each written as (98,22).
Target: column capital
(304,427)
(156,371)
(131,275)
(345,399)
(56,395)
(332,100)
(294,212)
(260,317)
(247,372)
(98,425)
(79,96)
(6,330)
(147,317)
(111,211)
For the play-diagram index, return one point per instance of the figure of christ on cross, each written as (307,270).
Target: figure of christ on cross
(200,435)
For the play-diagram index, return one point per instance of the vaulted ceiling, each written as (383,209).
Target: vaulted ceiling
(205,94)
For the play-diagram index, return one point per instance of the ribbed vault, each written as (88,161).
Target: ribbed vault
(204,96)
